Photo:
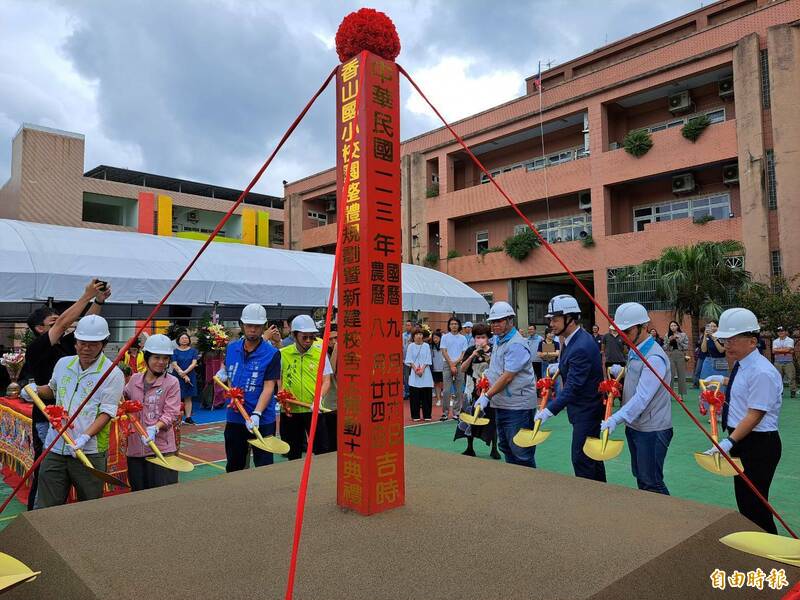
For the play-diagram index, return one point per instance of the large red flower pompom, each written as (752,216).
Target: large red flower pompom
(367,29)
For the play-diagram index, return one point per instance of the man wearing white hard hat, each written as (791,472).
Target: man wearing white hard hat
(160,396)
(646,404)
(73,379)
(753,400)
(512,385)
(254,366)
(581,373)
(299,363)
(468,333)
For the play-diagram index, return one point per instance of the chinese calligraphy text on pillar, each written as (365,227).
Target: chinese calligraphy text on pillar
(370,476)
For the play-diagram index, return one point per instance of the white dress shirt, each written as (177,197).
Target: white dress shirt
(757,385)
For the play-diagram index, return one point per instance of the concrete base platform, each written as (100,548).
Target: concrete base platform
(470,529)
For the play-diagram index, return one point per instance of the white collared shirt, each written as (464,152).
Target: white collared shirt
(779,343)
(570,336)
(71,384)
(757,385)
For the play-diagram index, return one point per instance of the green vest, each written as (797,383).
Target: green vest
(299,374)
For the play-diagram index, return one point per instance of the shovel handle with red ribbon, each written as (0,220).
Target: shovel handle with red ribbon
(545,386)
(611,388)
(287,400)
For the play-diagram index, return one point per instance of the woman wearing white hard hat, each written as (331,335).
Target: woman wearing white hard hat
(752,406)
(73,379)
(160,396)
(646,404)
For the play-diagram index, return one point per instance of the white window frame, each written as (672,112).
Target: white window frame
(565,229)
(321,218)
(696,206)
(712,114)
(479,239)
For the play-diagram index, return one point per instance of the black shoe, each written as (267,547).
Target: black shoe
(793,395)
(495,455)
(468,452)
(189,421)
(443,418)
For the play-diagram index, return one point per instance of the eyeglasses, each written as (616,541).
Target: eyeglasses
(306,336)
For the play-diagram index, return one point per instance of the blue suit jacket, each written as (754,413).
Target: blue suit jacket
(581,369)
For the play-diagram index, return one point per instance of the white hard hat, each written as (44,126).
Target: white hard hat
(92,328)
(254,314)
(500,310)
(304,324)
(563,304)
(630,314)
(735,321)
(158,344)
(468,324)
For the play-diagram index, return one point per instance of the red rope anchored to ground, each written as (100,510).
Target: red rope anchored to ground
(158,306)
(602,310)
(302,491)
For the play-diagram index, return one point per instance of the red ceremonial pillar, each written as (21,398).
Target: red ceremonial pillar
(370,469)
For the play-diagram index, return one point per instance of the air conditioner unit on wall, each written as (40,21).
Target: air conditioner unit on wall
(434,178)
(730,174)
(683,183)
(725,87)
(680,102)
(585,200)
(614,146)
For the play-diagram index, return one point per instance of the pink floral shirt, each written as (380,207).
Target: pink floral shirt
(162,402)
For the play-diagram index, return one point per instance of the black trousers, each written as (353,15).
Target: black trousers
(38,448)
(294,431)
(421,398)
(537,369)
(330,421)
(237,449)
(584,466)
(760,453)
(143,475)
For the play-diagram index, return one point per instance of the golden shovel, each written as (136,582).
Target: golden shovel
(603,448)
(525,438)
(270,443)
(768,545)
(106,477)
(474,419)
(14,572)
(171,462)
(713,463)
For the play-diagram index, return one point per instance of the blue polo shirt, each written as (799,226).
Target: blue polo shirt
(249,372)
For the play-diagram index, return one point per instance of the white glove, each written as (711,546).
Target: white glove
(615,370)
(725,444)
(151,435)
(552,368)
(25,395)
(482,401)
(222,375)
(254,422)
(610,423)
(543,415)
(80,442)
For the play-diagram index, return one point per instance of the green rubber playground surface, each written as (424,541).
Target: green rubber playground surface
(682,475)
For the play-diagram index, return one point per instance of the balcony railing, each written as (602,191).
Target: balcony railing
(540,162)
(715,115)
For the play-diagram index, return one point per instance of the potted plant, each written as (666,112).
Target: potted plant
(520,245)
(694,127)
(638,142)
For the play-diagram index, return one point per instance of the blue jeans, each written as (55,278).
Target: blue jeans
(586,467)
(509,422)
(648,451)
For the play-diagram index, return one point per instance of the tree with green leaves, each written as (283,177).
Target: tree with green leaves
(775,305)
(698,280)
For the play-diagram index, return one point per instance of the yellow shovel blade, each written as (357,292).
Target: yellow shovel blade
(472,419)
(526,438)
(768,545)
(598,449)
(14,572)
(173,463)
(270,444)
(107,477)
(717,467)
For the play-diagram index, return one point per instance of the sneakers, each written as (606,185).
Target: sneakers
(793,395)
(416,420)
(189,421)
(443,418)
(426,420)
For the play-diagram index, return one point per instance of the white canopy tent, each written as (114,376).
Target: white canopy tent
(39,261)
